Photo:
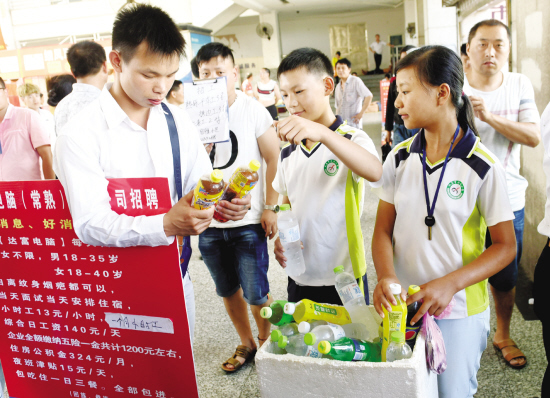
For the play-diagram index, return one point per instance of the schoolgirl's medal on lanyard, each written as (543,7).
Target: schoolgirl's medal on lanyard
(430,219)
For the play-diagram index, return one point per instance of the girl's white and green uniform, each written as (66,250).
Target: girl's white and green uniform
(327,199)
(472,196)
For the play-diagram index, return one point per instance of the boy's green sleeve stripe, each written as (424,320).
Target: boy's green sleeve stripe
(356,246)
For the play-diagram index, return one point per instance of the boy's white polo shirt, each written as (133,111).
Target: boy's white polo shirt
(472,196)
(327,199)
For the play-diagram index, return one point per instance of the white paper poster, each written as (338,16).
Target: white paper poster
(206,103)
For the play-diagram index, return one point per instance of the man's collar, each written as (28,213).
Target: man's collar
(337,123)
(114,114)
(9,112)
(462,150)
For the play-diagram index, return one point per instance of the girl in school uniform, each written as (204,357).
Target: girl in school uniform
(439,192)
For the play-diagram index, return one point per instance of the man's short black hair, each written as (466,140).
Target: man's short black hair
(175,87)
(2,83)
(143,22)
(195,68)
(488,22)
(338,53)
(463,50)
(344,61)
(213,50)
(310,58)
(86,58)
(267,71)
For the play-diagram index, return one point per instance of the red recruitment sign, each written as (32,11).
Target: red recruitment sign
(89,322)
(384,90)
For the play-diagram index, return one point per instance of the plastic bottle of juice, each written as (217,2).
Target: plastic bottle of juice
(394,321)
(209,190)
(346,349)
(412,331)
(242,181)
(307,310)
(273,346)
(295,345)
(397,349)
(353,299)
(289,234)
(275,313)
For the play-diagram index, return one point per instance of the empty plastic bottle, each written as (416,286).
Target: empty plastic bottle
(353,299)
(275,313)
(289,234)
(332,332)
(273,346)
(288,330)
(346,349)
(398,349)
(306,327)
(295,345)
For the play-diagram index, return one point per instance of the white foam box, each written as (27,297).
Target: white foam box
(289,376)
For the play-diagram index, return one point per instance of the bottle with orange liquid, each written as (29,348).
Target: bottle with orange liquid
(242,181)
(208,191)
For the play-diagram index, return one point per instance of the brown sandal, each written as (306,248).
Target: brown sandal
(241,351)
(513,353)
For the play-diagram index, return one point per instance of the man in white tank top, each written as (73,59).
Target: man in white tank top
(267,92)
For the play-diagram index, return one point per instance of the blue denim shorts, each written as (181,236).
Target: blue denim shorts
(507,278)
(237,257)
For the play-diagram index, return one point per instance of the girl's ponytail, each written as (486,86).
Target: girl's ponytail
(465,114)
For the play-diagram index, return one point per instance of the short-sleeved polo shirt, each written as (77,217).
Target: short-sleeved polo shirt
(21,132)
(472,196)
(327,199)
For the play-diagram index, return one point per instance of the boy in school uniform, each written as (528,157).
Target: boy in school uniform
(320,173)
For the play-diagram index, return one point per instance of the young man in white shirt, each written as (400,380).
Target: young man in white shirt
(352,96)
(267,92)
(89,67)
(377,47)
(236,252)
(506,118)
(175,95)
(125,134)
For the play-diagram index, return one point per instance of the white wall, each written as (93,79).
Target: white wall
(303,31)
(311,31)
(240,35)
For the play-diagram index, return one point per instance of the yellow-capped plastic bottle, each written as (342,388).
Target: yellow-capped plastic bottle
(242,181)
(209,190)
(396,320)
(307,310)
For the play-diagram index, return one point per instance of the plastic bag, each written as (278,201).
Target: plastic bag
(436,356)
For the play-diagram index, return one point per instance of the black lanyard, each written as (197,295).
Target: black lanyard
(430,219)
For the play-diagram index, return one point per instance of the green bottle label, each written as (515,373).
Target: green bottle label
(326,310)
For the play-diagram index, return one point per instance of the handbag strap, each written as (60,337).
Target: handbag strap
(186,250)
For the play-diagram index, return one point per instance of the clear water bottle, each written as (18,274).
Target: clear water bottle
(286,330)
(306,327)
(289,234)
(324,332)
(354,301)
(295,345)
(398,349)
(273,346)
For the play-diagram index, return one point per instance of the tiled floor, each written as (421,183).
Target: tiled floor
(216,339)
